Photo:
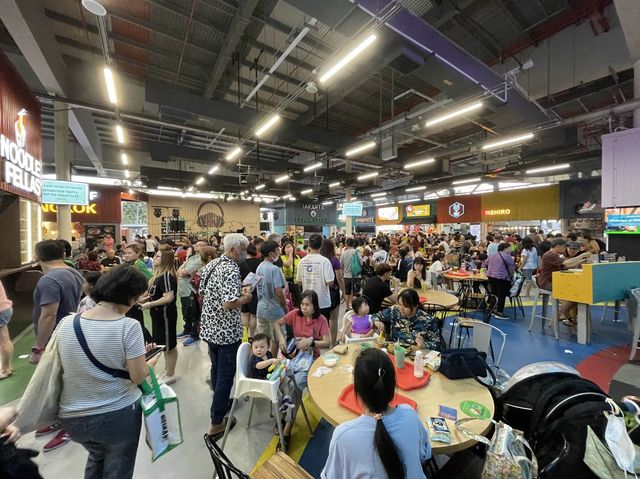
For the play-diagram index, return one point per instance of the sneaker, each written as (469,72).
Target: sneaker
(59,440)
(500,316)
(165,379)
(191,340)
(48,430)
(182,334)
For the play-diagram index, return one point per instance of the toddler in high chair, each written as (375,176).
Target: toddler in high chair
(359,324)
(261,357)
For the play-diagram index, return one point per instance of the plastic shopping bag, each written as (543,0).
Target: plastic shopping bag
(161,413)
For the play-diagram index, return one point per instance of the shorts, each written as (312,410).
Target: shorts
(5,316)
(265,326)
(352,285)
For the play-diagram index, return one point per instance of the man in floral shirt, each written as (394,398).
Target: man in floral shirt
(409,324)
(221,326)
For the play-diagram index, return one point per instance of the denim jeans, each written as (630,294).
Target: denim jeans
(223,370)
(111,440)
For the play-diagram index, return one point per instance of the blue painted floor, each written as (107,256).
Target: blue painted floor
(524,347)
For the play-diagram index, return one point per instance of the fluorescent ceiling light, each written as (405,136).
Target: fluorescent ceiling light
(126,173)
(200,180)
(261,187)
(282,178)
(292,198)
(380,199)
(120,134)
(415,164)
(313,166)
(111,85)
(509,184)
(383,204)
(233,153)
(360,148)
(416,188)
(347,58)
(125,159)
(334,184)
(367,176)
(470,180)
(523,187)
(286,197)
(213,169)
(170,188)
(325,203)
(456,113)
(275,118)
(373,195)
(410,200)
(507,141)
(548,168)
(307,191)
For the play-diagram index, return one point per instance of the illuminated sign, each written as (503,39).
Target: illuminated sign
(456,210)
(21,169)
(65,192)
(418,211)
(389,213)
(502,211)
(90,209)
(352,209)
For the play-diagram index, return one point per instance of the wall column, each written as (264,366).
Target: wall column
(347,198)
(636,92)
(63,164)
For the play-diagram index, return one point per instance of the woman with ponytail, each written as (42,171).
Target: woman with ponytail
(386,441)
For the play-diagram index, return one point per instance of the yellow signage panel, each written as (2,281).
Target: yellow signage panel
(418,211)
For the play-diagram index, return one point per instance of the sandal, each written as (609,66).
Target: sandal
(569,322)
(218,435)
(5,375)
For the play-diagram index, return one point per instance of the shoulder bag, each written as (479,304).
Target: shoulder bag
(506,454)
(463,363)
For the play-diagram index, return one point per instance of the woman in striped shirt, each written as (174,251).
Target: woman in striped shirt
(161,300)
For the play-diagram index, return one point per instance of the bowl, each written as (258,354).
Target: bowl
(330,359)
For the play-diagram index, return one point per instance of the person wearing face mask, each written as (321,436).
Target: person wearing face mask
(408,323)
(272,304)
(221,323)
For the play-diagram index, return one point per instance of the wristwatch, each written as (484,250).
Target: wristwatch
(37,350)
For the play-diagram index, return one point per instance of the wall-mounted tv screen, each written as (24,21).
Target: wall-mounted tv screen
(622,221)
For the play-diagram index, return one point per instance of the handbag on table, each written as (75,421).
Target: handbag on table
(463,363)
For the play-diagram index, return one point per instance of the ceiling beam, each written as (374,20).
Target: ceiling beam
(34,36)
(237,27)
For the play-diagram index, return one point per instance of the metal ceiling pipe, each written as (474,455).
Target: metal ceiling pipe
(594,115)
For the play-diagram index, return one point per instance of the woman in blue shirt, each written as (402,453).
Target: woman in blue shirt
(386,441)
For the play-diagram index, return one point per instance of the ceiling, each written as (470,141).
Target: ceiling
(185,70)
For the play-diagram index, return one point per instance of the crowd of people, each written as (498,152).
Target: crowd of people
(285,293)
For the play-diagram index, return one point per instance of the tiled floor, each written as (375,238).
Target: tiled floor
(244,447)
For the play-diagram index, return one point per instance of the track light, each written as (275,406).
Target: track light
(360,148)
(367,176)
(416,188)
(120,134)
(282,178)
(454,114)
(111,86)
(340,64)
(548,168)
(507,141)
(275,118)
(313,166)
(464,182)
(416,164)
(233,153)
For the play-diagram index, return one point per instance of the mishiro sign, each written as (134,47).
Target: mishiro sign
(498,212)
(21,169)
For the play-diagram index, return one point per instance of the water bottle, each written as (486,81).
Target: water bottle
(418,365)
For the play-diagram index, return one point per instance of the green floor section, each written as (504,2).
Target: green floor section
(13,387)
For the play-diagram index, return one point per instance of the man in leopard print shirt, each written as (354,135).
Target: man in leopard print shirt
(220,323)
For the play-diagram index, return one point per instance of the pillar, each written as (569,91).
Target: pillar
(63,164)
(347,198)
(636,92)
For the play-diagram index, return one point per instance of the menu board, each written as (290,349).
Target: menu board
(389,213)
(418,211)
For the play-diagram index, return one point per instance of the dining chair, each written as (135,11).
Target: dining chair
(222,466)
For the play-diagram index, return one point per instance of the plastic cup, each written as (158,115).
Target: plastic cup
(399,353)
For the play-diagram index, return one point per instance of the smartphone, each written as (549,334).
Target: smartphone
(154,352)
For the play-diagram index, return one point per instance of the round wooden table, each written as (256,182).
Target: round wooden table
(325,390)
(479,277)
(433,296)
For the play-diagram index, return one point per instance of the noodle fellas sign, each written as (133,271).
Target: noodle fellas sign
(21,169)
